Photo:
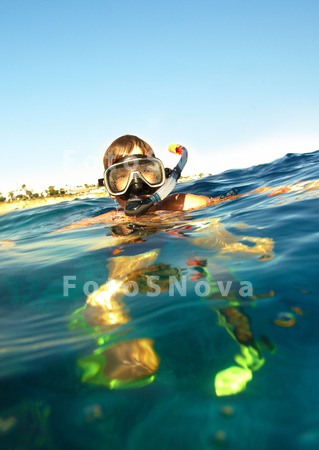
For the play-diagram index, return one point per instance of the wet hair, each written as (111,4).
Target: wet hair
(123,146)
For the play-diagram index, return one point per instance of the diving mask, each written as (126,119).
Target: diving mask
(134,172)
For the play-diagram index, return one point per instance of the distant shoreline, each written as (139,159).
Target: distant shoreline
(15,205)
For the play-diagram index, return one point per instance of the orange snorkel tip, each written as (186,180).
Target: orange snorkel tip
(176,149)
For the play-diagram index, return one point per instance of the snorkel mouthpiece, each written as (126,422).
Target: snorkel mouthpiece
(137,206)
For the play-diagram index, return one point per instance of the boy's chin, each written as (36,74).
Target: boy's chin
(137,197)
(143,196)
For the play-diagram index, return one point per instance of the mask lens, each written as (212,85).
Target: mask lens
(119,179)
(151,171)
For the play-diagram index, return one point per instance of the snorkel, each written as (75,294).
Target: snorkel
(138,206)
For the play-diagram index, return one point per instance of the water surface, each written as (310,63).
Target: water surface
(84,363)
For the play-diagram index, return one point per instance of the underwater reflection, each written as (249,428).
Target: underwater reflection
(134,363)
(129,363)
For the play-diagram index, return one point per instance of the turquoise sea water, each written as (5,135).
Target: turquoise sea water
(125,371)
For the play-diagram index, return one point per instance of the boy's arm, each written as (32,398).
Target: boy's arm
(103,218)
(300,186)
(185,202)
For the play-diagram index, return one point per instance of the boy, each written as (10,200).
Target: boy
(129,146)
(132,146)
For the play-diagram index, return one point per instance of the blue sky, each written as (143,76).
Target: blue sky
(235,81)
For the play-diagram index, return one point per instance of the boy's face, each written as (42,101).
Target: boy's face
(135,151)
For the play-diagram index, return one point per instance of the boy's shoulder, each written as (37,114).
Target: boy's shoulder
(184,202)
